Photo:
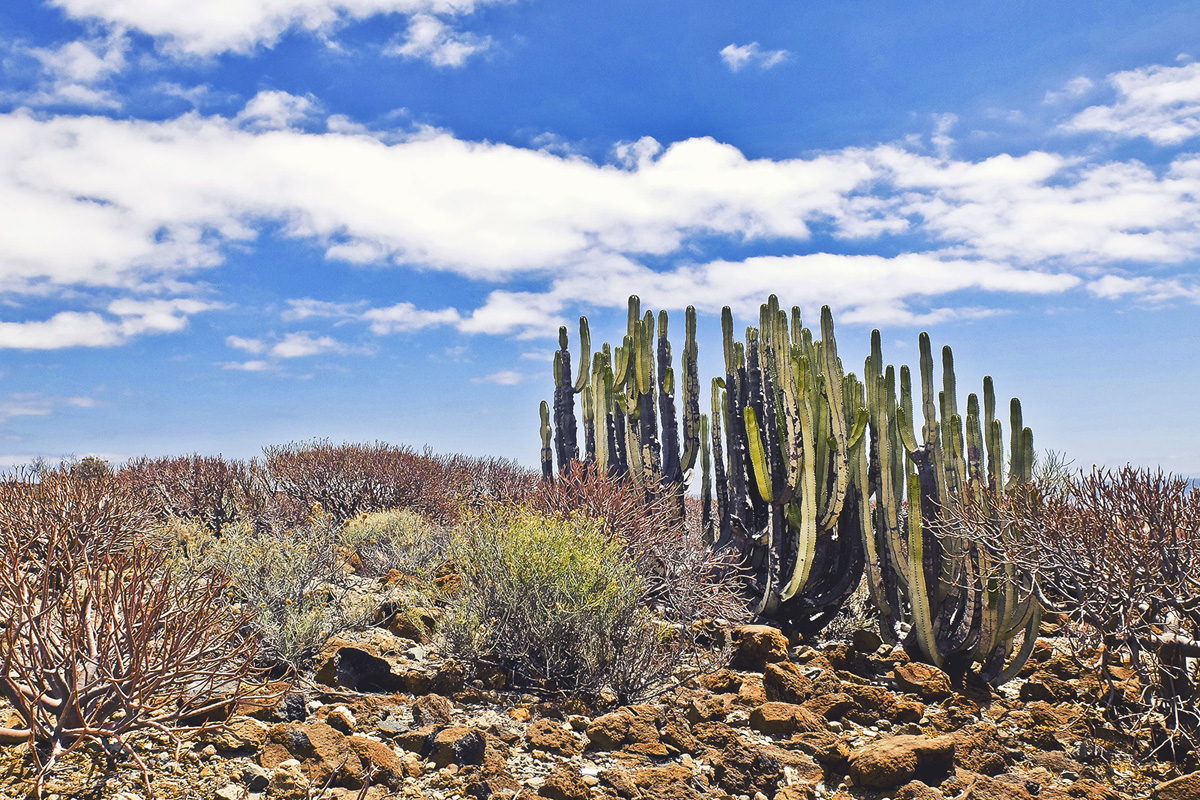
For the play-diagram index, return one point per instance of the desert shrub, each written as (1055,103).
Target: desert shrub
(100,637)
(683,577)
(1117,554)
(291,581)
(209,489)
(401,540)
(554,601)
(83,506)
(351,479)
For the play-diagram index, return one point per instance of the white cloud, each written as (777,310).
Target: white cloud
(92,329)
(1144,288)
(740,56)
(303,344)
(407,317)
(249,366)
(1158,102)
(1076,87)
(431,39)
(31,404)
(505,377)
(75,73)
(275,110)
(240,26)
(299,344)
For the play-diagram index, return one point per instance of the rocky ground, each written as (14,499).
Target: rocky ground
(384,717)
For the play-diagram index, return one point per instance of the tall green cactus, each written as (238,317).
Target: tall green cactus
(962,606)
(792,490)
(803,495)
(631,420)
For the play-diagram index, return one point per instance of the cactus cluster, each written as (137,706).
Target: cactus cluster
(962,604)
(818,476)
(628,397)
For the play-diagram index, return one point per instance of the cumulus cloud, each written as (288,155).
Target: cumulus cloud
(240,26)
(292,345)
(431,39)
(143,206)
(92,329)
(1157,102)
(739,56)
(1076,87)
(76,74)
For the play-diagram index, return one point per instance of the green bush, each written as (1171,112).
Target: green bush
(293,581)
(400,540)
(554,602)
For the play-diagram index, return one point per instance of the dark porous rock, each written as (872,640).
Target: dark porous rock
(783,719)
(723,681)
(981,787)
(432,709)
(551,736)
(866,640)
(784,683)
(457,744)
(824,746)
(714,734)
(979,749)
(925,681)
(240,733)
(416,740)
(797,791)
(619,781)
(356,667)
(670,782)
(1045,685)
(676,733)
(741,768)
(565,783)
(755,646)
(387,768)
(449,678)
(609,731)
(324,752)
(1186,787)
(873,703)
(917,790)
(891,762)
(830,706)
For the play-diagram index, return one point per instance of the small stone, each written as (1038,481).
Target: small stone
(230,792)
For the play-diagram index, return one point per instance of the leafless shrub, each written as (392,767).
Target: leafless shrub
(100,638)
(350,479)
(1119,554)
(208,489)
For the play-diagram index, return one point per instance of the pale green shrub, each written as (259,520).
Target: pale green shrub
(554,602)
(401,540)
(293,582)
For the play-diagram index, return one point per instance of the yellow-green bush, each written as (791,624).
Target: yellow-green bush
(401,540)
(553,601)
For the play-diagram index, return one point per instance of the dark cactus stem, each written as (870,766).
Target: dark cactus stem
(720,479)
(618,454)
(671,473)
(566,444)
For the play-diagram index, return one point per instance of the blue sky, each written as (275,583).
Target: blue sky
(245,222)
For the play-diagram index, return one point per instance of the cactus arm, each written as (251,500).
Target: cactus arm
(547,452)
(837,422)
(585,352)
(918,590)
(1016,450)
(690,395)
(1031,631)
(758,456)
